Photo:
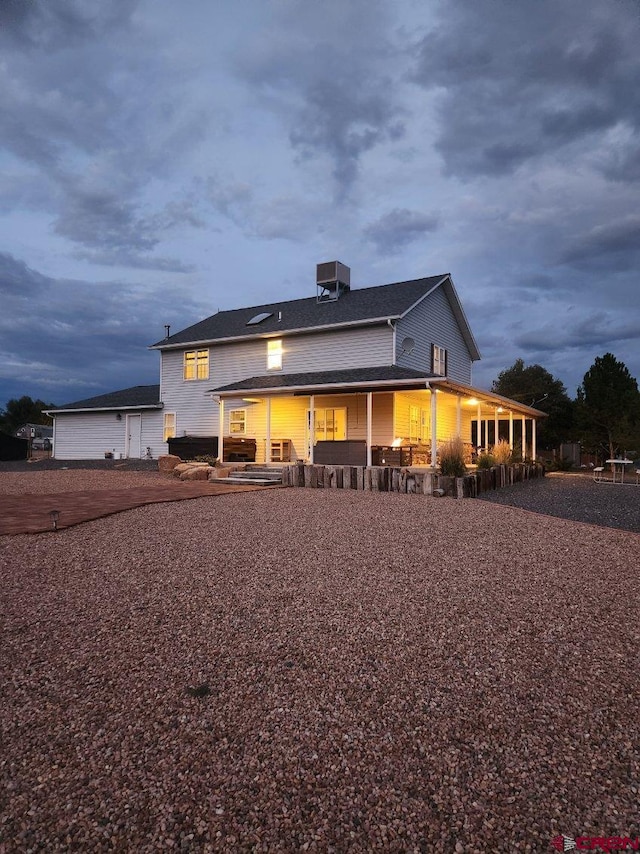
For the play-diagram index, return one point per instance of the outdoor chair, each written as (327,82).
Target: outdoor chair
(598,473)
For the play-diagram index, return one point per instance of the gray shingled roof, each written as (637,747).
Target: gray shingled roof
(354,306)
(138,395)
(328,379)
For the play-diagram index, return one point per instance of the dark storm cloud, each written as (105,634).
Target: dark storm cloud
(597,331)
(614,246)
(60,337)
(515,85)
(16,278)
(396,229)
(89,131)
(345,122)
(334,91)
(55,23)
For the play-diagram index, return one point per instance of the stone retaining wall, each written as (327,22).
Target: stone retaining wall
(408,480)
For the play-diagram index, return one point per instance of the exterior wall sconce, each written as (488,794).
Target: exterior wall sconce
(119,416)
(55,515)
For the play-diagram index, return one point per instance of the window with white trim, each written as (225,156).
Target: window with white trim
(196,365)
(439,361)
(274,354)
(169,426)
(414,423)
(237,422)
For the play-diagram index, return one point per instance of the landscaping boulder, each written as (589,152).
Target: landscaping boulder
(182,467)
(196,473)
(167,463)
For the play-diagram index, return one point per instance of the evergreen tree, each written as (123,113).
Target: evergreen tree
(609,407)
(24,411)
(535,386)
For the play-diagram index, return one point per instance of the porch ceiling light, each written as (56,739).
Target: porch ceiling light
(499,409)
(473,401)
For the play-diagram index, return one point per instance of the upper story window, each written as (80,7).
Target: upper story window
(274,354)
(438,361)
(196,365)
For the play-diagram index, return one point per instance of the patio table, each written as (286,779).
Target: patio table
(621,463)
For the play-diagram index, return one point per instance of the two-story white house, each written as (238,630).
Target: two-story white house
(343,376)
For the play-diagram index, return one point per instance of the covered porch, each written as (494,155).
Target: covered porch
(372,416)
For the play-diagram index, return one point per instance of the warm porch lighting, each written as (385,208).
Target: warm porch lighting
(499,409)
(396,443)
(472,401)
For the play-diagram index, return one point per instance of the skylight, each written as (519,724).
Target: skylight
(258,318)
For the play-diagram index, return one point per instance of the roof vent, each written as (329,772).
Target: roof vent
(332,280)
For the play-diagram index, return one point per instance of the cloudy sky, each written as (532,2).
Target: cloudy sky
(160,161)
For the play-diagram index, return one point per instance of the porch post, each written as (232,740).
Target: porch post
(267,450)
(459,417)
(495,425)
(524,437)
(221,430)
(511,429)
(312,426)
(369,424)
(479,431)
(434,429)
(533,439)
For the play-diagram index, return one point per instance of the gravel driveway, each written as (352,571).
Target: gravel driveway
(577,497)
(319,670)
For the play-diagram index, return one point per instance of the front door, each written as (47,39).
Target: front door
(134,427)
(330,425)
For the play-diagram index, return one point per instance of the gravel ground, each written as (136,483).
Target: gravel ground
(577,497)
(319,670)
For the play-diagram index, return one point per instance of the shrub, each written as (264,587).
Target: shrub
(501,453)
(563,464)
(206,458)
(451,454)
(486,461)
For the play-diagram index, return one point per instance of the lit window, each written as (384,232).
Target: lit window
(169,428)
(439,361)
(196,365)
(414,423)
(237,421)
(274,354)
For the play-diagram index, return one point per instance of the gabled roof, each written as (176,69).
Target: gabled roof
(360,306)
(136,397)
(360,378)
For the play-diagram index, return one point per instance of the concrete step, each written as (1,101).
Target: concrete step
(262,474)
(244,481)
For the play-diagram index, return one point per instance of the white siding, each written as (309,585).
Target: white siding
(433,322)
(196,413)
(87,435)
